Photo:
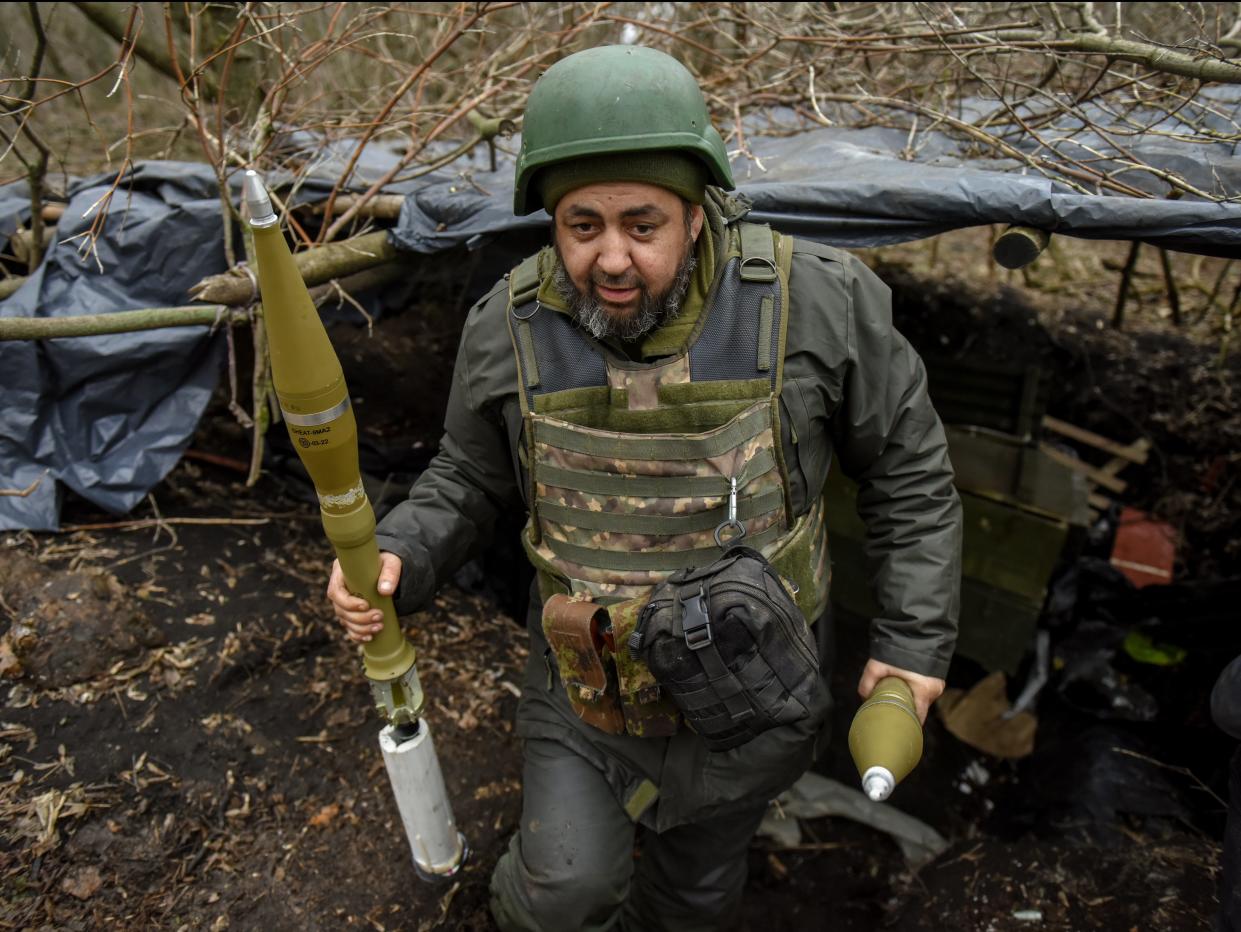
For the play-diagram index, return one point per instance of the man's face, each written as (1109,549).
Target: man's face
(624,246)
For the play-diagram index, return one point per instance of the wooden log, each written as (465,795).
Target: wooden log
(89,325)
(1018,246)
(10,285)
(22,241)
(381,206)
(1096,500)
(1113,467)
(365,280)
(318,265)
(1097,476)
(1126,277)
(1081,435)
(1169,279)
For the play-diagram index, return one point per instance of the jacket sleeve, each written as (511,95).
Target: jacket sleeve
(451,510)
(889,438)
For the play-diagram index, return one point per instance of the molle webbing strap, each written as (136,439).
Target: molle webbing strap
(654,446)
(691,608)
(657,525)
(784,264)
(650,560)
(766,316)
(529,358)
(597,483)
(687,417)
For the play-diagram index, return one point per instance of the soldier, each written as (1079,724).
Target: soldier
(662,372)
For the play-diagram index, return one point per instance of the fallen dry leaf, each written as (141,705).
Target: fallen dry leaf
(325,815)
(10,666)
(339,717)
(83,883)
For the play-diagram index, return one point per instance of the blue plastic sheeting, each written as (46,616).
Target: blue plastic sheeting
(856,187)
(109,416)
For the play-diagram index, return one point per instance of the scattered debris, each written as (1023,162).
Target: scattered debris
(982,719)
(815,796)
(82,883)
(1144,549)
(70,626)
(325,816)
(1105,475)
(179,846)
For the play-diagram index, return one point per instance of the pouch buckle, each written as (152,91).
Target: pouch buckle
(696,622)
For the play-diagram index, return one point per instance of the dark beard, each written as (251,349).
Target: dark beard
(653,310)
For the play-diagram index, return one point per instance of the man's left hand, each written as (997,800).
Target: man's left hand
(926,689)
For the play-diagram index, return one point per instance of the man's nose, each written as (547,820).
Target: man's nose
(613,256)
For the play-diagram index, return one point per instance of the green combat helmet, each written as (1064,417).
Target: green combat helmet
(610,100)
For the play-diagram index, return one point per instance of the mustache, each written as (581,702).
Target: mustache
(617,282)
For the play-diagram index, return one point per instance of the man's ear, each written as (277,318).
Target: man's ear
(696,220)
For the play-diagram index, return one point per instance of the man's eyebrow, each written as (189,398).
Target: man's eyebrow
(645,210)
(576,210)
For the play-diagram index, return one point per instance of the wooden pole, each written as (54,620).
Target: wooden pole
(1018,246)
(91,325)
(193,315)
(1174,297)
(10,285)
(318,265)
(381,206)
(1126,276)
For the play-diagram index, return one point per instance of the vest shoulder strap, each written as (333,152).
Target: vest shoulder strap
(758,253)
(783,246)
(523,281)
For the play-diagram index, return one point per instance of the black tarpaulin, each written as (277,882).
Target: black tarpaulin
(109,416)
(863,187)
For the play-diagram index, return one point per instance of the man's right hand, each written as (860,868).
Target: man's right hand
(361,621)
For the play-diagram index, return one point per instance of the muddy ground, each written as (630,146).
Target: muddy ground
(186,741)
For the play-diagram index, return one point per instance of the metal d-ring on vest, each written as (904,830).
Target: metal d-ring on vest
(731,521)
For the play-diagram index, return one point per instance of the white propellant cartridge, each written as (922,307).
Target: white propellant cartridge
(439,849)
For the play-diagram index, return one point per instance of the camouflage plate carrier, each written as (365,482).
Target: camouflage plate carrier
(631,466)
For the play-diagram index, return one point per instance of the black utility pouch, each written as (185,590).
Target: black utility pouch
(730,647)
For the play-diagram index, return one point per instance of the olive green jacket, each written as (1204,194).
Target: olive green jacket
(854,392)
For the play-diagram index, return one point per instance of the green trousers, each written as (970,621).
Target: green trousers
(588,797)
(572,866)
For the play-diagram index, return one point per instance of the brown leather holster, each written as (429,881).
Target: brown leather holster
(574,632)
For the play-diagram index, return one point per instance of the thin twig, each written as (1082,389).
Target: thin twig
(28,490)
(138,524)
